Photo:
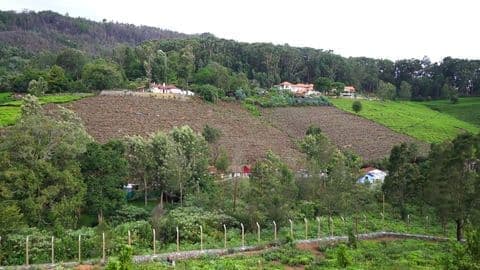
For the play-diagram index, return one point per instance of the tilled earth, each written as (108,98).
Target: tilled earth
(348,131)
(245,138)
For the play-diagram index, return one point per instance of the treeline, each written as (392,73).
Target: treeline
(190,62)
(49,31)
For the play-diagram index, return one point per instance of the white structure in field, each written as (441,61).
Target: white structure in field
(348,91)
(374,177)
(299,89)
(168,89)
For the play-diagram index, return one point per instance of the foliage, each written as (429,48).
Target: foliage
(72,61)
(40,153)
(129,213)
(343,259)
(123,261)
(357,106)
(188,220)
(57,80)
(37,88)
(323,84)
(222,163)
(278,98)
(104,169)
(412,118)
(100,75)
(405,91)
(289,255)
(273,175)
(211,134)
(313,130)
(466,110)
(208,92)
(386,91)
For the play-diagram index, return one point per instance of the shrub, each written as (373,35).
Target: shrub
(342,257)
(454,99)
(37,87)
(123,261)
(129,213)
(356,106)
(208,92)
(240,94)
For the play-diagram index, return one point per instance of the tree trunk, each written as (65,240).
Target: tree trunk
(460,223)
(145,190)
(234,194)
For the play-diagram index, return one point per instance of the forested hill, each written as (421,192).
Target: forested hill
(50,31)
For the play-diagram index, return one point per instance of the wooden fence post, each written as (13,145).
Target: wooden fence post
(201,237)
(53,250)
(306,228)
(224,236)
(383,221)
(258,232)
(318,227)
(103,247)
(129,238)
(79,248)
(343,222)
(26,252)
(154,244)
(243,235)
(365,223)
(274,231)
(291,228)
(331,225)
(408,222)
(426,224)
(178,239)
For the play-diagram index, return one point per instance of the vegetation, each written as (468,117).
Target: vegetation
(411,118)
(356,106)
(466,109)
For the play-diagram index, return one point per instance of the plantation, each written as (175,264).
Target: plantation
(467,109)
(415,119)
(10,108)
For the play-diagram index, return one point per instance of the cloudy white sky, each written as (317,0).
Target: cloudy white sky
(393,29)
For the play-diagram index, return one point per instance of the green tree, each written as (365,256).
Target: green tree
(452,180)
(72,61)
(356,106)
(100,75)
(405,90)
(38,87)
(222,162)
(323,84)
(39,162)
(56,79)
(104,170)
(385,91)
(274,176)
(400,185)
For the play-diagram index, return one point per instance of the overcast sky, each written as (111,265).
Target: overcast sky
(375,28)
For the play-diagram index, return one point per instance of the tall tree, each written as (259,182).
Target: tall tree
(104,169)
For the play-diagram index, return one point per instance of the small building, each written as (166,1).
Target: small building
(348,91)
(168,89)
(299,89)
(373,177)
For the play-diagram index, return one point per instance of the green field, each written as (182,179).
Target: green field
(387,254)
(467,109)
(10,108)
(417,119)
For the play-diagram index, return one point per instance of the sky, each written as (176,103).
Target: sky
(391,29)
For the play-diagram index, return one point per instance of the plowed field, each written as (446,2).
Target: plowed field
(246,138)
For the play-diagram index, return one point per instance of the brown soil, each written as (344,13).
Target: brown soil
(245,138)
(364,137)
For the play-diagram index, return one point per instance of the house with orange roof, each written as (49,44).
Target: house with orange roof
(299,89)
(348,91)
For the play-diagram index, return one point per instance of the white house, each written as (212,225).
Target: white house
(168,89)
(298,89)
(373,177)
(348,91)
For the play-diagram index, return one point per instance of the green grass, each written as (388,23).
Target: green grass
(467,109)
(10,108)
(396,254)
(411,118)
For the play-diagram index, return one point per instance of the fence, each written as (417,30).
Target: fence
(41,249)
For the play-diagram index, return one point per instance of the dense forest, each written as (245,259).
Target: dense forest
(135,55)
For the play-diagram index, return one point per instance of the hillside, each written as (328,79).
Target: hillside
(416,119)
(50,31)
(245,137)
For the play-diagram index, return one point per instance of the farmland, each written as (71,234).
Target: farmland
(10,108)
(467,109)
(245,137)
(416,119)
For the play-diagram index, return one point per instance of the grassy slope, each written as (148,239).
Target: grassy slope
(411,118)
(10,109)
(467,109)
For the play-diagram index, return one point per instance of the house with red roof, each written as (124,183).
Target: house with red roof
(299,89)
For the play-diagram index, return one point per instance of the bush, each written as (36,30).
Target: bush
(356,106)
(188,220)
(342,257)
(123,261)
(290,255)
(208,92)
(129,213)
(454,99)
(240,94)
